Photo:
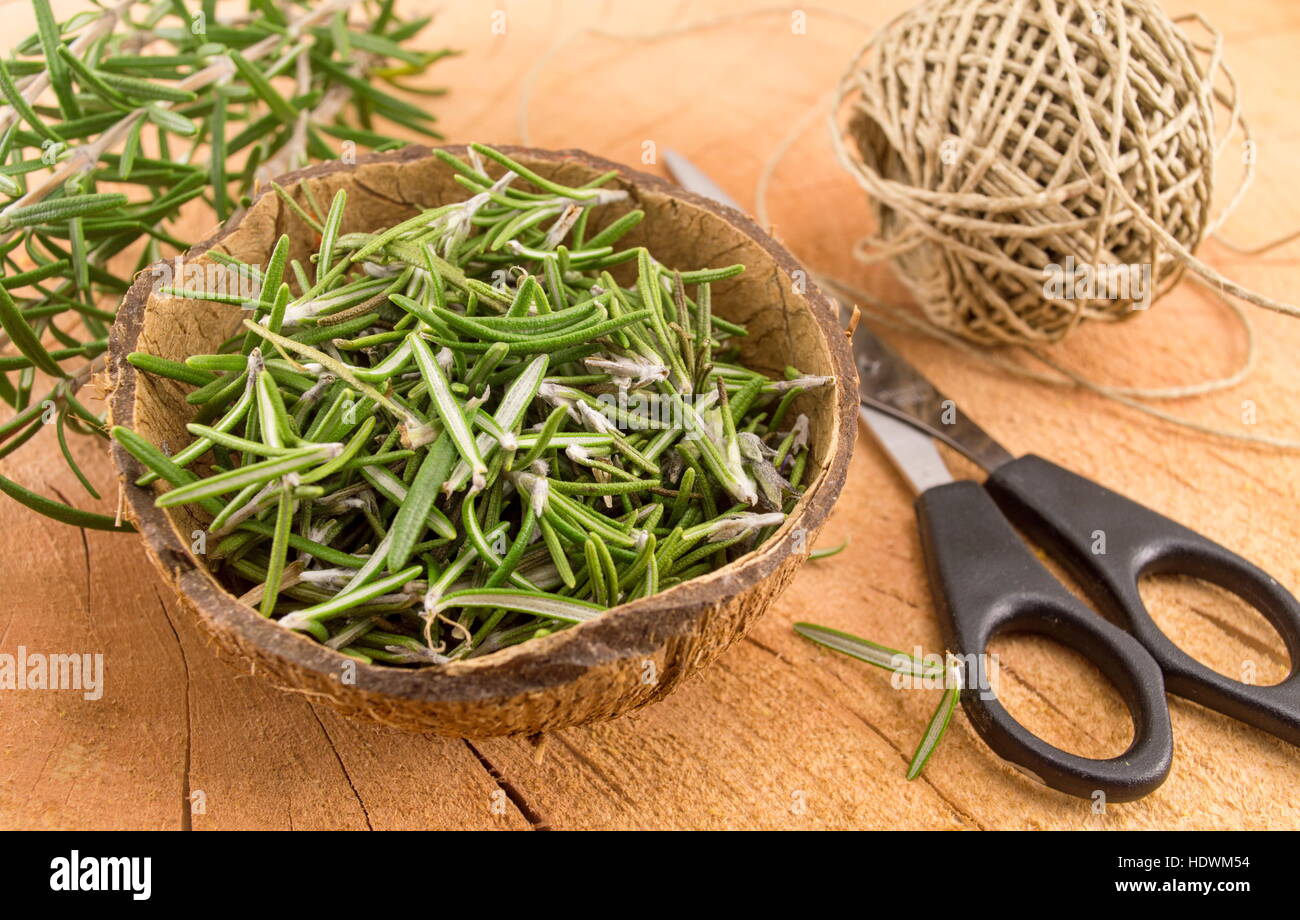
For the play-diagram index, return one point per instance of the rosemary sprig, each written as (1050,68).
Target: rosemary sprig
(899,663)
(116,119)
(478,454)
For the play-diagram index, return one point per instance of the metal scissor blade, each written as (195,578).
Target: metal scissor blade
(888,383)
(911,450)
(691,177)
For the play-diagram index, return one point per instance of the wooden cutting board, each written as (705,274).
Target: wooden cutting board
(778,733)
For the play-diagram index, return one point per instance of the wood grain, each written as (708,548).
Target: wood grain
(777,733)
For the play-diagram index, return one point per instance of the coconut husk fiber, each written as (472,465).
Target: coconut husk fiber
(628,657)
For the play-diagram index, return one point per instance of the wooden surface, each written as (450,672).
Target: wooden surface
(777,734)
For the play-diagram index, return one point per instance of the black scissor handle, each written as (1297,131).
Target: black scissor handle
(986,581)
(1067,513)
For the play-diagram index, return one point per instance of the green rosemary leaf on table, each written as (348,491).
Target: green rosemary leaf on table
(900,663)
(865,650)
(937,726)
(829,551)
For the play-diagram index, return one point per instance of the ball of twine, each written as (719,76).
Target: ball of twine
(1002,142)
(1047,81)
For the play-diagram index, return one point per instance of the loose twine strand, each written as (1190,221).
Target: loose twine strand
(903,317)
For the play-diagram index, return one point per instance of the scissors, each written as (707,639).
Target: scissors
(986,581)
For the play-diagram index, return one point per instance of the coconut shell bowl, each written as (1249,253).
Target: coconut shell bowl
(627,657)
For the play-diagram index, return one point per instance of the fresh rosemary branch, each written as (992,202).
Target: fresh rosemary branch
(467,434)
(114,121)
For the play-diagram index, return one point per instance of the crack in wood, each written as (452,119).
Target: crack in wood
(1069,720)
(187,814)
(1266,484)
(595,768)
(365,812)
(893,596)
(771,651)
(1262,646)
(85,555)
(531,815)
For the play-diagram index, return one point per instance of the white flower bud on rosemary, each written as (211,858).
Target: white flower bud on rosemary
(799,383)
(629,372)
(739,525)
